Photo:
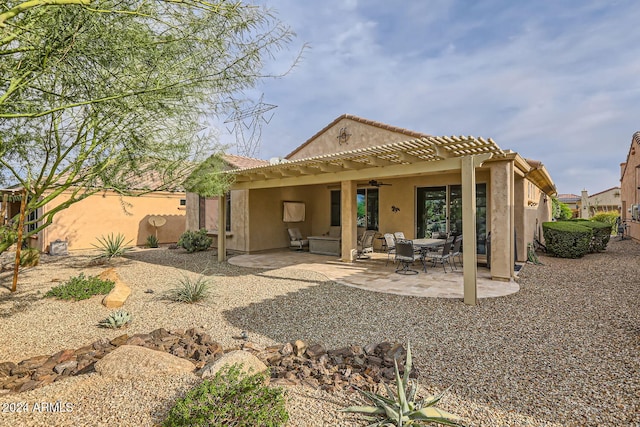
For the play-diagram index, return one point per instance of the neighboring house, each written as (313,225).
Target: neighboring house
(573,201)
(630,188)
(604,201)
(108,212)
(361,173)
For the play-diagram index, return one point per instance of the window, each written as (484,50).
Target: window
(367,208)
(335,208)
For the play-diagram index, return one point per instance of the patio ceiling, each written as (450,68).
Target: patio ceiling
(420,155)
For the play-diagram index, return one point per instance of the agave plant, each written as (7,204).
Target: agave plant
(112,246)
(400,408)
(116,320)
(190,291)
(152,241)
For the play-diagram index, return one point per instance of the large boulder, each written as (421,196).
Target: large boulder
(250,364)
(130,361)
(119,293)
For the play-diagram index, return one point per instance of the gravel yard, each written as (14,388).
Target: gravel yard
(564,351)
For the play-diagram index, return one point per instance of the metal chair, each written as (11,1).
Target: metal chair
(390,242)
(455,252)
(365,245)
(405,256)
(443,256)
(295,239)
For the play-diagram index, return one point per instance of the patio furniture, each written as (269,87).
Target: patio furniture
(390,244)
(455,252)
(324,245)
(406,255)
(398,235)
(365,245)
(444,256)
(295,239)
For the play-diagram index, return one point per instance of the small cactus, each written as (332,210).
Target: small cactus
(116,320)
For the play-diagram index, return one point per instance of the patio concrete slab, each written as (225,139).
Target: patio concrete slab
(373,275)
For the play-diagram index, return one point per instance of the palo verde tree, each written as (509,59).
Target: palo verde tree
(95,93)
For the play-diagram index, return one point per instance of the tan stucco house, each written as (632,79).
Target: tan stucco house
(357,173)
(630,188)
(107,212)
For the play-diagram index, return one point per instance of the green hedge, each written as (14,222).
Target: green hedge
(566,239)
(601,233)
(575,238)
(608,218)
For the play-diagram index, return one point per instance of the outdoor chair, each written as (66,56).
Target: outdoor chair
(455,252)
(398,235)
(444,256)
(365,245)
(296,241)
(390,242)
(406,256)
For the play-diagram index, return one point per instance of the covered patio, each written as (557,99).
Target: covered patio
(374,274)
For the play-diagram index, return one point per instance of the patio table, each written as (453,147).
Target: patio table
(428,243)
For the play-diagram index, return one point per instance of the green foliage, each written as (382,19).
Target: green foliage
(152,241)
(195,241)
(94,95)
(400,407)
(230,398)
(81,287)
(29,257)
(116,320)
(206,179)
(190,291)
(608,218)
(566,239)
(600,232)
(8,236)
(560,211)
(112,246)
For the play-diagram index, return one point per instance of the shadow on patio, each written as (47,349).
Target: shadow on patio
(373,275)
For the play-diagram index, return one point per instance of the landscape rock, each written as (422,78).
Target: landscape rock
(129,361)
(250,364)
(120,292)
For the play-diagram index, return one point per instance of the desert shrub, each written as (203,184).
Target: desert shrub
(195,241)
(190,291)
(230,398)
(567,239)
(608,218)
(112,246)
(81,287)
(152,241)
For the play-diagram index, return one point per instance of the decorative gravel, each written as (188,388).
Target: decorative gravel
(564,351)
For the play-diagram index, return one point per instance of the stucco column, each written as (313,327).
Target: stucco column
(502,196)
(222,228)
(469,256)
(348,218)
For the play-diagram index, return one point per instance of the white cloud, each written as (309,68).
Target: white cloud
(553,81)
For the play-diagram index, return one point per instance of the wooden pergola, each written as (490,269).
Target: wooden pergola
(399,159)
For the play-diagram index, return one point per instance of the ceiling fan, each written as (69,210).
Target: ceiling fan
(374,183)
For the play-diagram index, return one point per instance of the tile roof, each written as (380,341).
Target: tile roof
(568,196)
(242,162)
(604,191)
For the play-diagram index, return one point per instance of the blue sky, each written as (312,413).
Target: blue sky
(556,81)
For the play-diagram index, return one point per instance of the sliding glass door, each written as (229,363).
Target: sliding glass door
(439,210)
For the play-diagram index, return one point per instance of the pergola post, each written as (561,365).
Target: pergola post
(469,244)
(348,220)
(222,228)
